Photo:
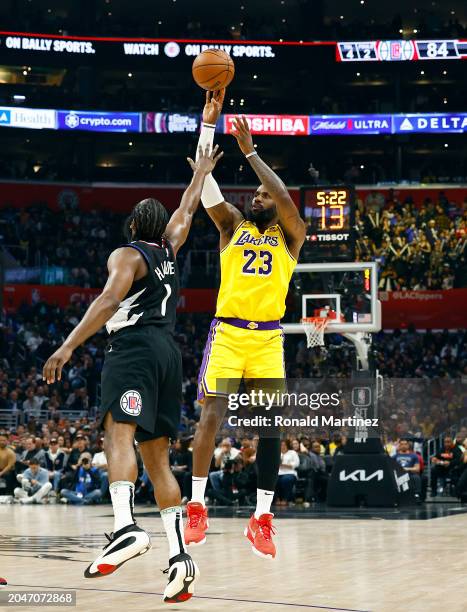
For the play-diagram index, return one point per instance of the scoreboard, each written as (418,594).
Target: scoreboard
(401,50)
(329,213)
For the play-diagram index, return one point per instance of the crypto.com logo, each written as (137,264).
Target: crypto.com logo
(72,120)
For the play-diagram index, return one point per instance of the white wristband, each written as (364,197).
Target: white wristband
(251,154)
(211,194)
(206,137)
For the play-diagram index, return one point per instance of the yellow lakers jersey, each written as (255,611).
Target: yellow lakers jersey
(255,274)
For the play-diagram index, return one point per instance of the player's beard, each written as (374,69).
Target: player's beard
(262,217)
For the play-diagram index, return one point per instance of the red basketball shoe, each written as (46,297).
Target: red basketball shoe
(197,524)
(260,532)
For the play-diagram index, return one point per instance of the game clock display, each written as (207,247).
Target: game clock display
(329,213)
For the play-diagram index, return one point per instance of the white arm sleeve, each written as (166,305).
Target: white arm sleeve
(206,137)
(211,194)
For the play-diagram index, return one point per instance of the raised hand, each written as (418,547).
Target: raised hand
(213,106)
(243,135)
(206,161)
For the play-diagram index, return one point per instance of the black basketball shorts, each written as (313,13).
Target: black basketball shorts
(142,381)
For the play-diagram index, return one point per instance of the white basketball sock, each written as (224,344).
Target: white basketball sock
(198,486)
(173,525)
(122,493)
(263,502)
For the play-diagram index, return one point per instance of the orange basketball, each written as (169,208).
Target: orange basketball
(213,69)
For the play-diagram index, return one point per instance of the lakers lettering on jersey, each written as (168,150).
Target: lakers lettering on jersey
(245,339)
(255,274)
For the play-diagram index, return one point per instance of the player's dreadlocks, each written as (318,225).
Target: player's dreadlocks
(150,220)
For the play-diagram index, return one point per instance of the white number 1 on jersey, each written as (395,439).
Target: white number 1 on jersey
(168,288)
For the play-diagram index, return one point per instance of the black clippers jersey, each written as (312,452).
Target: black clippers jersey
(151,300)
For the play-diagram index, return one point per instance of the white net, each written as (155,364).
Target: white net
(314,329)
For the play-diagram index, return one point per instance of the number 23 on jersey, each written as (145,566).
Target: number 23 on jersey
(257,262)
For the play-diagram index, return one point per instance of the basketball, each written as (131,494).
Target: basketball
(213,69)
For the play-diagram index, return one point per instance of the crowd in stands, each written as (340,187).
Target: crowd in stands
(70,239)
(65,462)
(427,365)
(418,248)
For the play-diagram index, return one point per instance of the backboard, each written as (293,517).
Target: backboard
(349,289)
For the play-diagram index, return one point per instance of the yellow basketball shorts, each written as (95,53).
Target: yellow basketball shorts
(233,353)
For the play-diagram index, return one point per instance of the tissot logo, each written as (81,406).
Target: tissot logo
(361,476)
(332,237)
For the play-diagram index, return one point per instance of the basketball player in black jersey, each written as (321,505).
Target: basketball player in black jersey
(142,377)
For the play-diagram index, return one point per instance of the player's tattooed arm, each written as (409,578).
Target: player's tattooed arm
(180,222)
(122,265)
(289,218)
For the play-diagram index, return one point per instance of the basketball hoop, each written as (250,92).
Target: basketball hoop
(314,328)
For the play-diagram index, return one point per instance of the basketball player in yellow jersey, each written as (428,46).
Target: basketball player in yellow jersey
(258,254)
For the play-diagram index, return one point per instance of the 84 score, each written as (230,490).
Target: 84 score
(401,50)
(438,49)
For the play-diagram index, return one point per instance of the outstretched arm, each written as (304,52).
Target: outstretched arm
(289,218)
(225,216)
(180,222)
(122,266)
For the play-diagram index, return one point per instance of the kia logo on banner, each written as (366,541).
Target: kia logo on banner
(274,125)
(361,476)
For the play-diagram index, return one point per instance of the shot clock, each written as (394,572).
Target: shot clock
(329,212)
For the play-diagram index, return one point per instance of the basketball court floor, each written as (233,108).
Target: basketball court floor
(342,560)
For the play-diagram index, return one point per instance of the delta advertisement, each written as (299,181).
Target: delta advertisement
(263,125)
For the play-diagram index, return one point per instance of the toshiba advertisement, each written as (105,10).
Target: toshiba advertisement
(272,125)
